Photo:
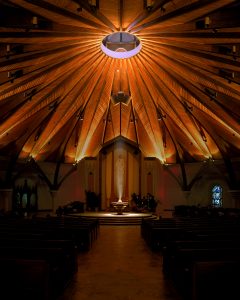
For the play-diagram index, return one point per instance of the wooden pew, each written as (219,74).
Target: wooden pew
(24,279)
(52,240)
(207,243)
(157,233)
(171,248)
(183,264)
(54,257)
(216,280)
(84,232)
(68,247)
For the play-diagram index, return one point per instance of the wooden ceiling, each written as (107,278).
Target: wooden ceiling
(57,88)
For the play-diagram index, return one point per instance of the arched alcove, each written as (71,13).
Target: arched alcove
(120,172)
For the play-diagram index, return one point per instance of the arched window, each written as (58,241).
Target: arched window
(217,196)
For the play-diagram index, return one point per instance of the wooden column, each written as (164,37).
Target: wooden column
(100,180)
(112,198)
(140,175)
(127,186)
(54,200)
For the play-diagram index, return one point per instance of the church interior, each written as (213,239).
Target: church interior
(119,137)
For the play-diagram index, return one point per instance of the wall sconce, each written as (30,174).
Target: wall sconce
(14,75)
(203,23)
(162,9)
(93,4)
(13,50)
(160,116)
(149,5)
(53,106)
(234,51)
(212,94)
(80,114)
(8,50)
(224,50)
(187,107)
(30,94)
(35,21)
(228,50)
(34,24)
(227,75)
(207,22)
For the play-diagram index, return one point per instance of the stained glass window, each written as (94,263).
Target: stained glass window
(217,196)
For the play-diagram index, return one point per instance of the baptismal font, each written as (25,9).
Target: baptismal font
(119,206)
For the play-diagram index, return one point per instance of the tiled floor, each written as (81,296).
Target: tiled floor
(120,266)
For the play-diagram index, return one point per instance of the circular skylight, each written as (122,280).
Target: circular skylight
(121,45)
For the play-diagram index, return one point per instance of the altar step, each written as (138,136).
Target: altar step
(122,220)
(111,218)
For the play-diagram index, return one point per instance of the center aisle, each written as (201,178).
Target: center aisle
(120,266)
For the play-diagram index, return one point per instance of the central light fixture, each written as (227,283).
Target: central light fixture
(121,45)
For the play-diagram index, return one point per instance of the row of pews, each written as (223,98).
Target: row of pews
(39,256)
(201,255)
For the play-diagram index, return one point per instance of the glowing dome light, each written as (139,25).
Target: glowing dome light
(121,45)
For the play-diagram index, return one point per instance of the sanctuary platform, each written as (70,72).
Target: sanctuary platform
(113,218)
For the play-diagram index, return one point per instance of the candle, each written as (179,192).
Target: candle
(234,49)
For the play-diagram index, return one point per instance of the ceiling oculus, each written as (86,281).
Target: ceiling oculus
(121,45)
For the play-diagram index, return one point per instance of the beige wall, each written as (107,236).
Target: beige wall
(170,192)
(72,189)
(166,183)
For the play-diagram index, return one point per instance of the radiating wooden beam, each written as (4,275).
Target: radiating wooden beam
(62,12)
(190,12)
(120,14)
(145,14)
(97,14)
